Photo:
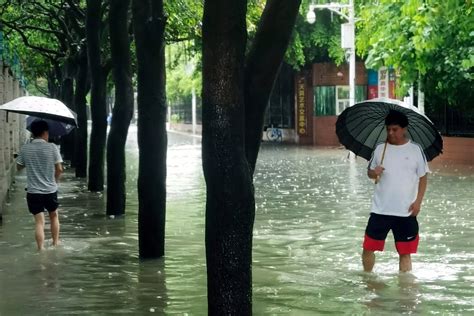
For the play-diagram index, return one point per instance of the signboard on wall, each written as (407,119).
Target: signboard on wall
(383,84)
(391,84)
(301,120)
(372,84)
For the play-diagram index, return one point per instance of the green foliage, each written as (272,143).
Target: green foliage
(183,20)
(44,33)
(182,72)
(432,40)
(318,42)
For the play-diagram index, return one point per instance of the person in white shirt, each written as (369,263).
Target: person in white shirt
(43,164)
(400,169)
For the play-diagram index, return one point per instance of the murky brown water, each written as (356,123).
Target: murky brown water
(312,207)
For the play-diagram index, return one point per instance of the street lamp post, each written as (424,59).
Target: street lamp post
(347,36)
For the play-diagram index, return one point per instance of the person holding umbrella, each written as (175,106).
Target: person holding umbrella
(43,164)
(400,168)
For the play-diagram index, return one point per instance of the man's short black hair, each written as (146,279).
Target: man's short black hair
(396,118)
(38,128)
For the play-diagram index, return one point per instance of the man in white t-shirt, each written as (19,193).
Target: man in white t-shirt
(401,185)
(43,164)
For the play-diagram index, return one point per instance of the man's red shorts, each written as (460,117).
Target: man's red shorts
(405,232)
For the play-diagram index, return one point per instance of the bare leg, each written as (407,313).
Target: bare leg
(368,260)
(54,219)
(405,263)
(39,230)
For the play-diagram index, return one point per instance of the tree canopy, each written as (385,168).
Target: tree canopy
(428,40)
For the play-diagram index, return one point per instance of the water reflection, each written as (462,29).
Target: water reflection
(399,294)
(312,208)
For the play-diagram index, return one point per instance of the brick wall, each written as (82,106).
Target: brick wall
(324,131)
(12,133)
(328,74)
(457,150)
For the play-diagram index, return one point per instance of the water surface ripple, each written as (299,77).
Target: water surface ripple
(312,207)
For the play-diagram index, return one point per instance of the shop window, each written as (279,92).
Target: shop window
(324,100)
(342,98)
(332,100)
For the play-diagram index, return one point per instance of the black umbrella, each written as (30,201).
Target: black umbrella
(55,128)
(362,126)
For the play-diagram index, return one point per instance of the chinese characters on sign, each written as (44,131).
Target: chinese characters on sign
(301,115)
(391,84)
(383,85)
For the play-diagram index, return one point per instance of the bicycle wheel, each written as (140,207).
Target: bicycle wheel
(272,135)
(279,135)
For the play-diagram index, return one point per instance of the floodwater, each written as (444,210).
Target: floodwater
(312,207)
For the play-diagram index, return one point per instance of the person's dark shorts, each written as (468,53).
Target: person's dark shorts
(405,232)
(38,203)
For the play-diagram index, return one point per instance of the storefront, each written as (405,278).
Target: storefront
(321,95)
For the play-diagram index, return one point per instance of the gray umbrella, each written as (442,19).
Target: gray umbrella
(362,126)
(42,107)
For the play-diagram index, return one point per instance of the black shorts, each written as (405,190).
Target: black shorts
(37,203)
(404,229)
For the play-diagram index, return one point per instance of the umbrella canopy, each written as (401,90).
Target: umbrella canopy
(362,126)
(41,107)
(56,128)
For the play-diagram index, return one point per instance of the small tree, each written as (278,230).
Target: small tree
(123,108)
(149,23)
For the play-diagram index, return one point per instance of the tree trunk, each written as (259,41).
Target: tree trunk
(80,151)
(262,68)
(230,205)
(234,102)
(54,79)
(149,23)
(98,91)
(123,108)
(67,96)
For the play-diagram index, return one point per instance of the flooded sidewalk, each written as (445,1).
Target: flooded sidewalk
(312,207)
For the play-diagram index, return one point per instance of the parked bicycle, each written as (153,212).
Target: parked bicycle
(274,134)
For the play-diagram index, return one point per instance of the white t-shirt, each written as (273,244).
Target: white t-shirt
(398,185)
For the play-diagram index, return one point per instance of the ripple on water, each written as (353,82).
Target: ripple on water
(312,209)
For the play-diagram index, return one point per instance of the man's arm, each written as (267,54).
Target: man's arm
(415,207)
(58,170)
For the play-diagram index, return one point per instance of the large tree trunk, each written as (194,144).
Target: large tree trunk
(67,96)
(232,128)
(230,205)
(149,25)
(262,67)
(80,105)
(123,108)
(98,93)
(54,80)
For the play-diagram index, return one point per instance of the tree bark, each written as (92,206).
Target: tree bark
(230,206)
(234,102)
(262,67)
(67,96)
(80,105)
(98,93)
(123,108)
(149,24)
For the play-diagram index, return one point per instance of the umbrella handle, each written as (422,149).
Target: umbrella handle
(381,162)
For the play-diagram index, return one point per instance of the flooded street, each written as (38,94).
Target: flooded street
(312,208)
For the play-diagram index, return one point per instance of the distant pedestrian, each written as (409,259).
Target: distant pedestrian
(43,164)
(400,168)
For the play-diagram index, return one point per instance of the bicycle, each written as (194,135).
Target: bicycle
(274,134)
